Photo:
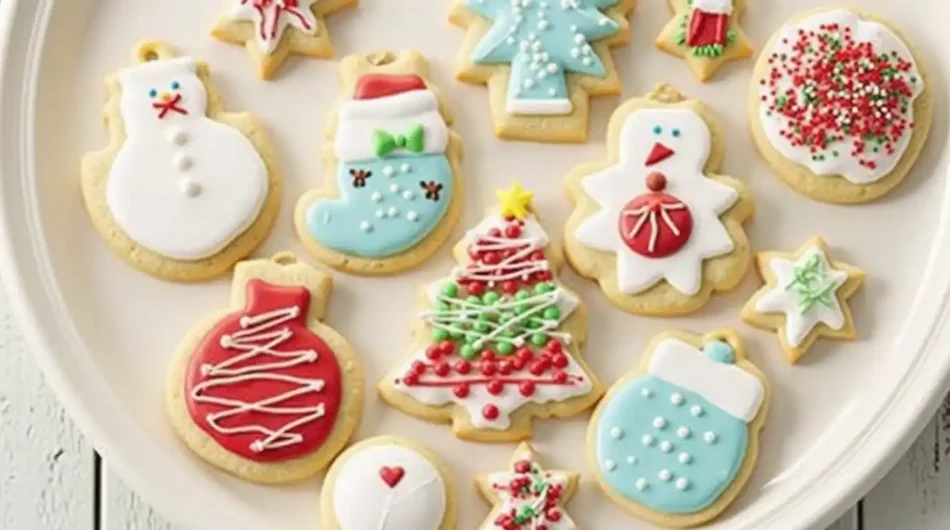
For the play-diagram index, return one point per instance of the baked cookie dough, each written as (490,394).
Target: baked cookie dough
(706,34)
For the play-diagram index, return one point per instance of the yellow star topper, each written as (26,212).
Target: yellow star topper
(514,201)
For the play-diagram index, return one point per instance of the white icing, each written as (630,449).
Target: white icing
(724,385)
(362,500)
(615,186)
(270,22)
(262,334)
(143,192)
(884,41)
(782,299)
(479,396)
(714,7)
(538,107)
(394,114)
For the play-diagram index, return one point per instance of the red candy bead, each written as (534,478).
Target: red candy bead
(522,466)
(524,353)
(495,232)
(543,276)
(513,231)
(463,367)
(490,412)
(488,355)
(476,288)
(554,346)
(509,286)
(461,390)
(517,363)
(536,368)
(495,387)
(560,378)
(419,367)
(559,360)
(446,347)
(491,258)
(410,379)
(433,352)
(443,369)
(488,368)
(553,515)
(526,388)
(656,181)
(537,255)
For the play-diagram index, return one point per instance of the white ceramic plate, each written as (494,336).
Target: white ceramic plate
(103,333)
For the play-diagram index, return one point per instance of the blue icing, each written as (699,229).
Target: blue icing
(542,40)
(631,415)
(386,211)
(719,351)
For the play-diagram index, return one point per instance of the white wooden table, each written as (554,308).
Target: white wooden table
(51,479)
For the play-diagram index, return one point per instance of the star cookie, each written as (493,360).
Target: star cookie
(805,297)
(274,29)
(706,34)
(526,497)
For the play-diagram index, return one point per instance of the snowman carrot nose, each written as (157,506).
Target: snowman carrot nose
(658,154)
(169,104)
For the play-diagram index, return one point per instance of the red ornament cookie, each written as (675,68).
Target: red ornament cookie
(265,390)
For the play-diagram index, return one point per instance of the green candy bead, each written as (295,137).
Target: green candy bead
(485,316)
(440,334)
(456,333)
(552,313)
(467,351)
(482,327)
(442,307)
(521,308)
(506,316)
(474,300)
(523,294)
(504,348)
(490,298)
(450,289)
(542,288)
(539,339)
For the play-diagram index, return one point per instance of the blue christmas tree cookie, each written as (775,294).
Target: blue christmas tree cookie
(541,59)
(394,171)
(676,441)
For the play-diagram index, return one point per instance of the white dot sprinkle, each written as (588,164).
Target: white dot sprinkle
(528,83)
(666,446)
(710,437)
(646,392)
(604,21)
(579,39)
(183,162)
(542,74)
(177,136)
(647,439)
(665,475)
(394,188)
(552,68)
(696,410)
(412,216)
(683,432)
(575,52)
(552,92)
(408,195)
(510,41)
(536,46)
(380,213)
(616,433)
(642,484)
(189,188)
(684,458)
(659,422)
(405,168)
(366,227)
(376,196)
(389,171)
(676,399)
(393,212)
(586,61)
(610,465)
(543,25)
(682,483)
(632,460)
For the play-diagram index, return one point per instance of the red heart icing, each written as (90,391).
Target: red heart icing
(392,475)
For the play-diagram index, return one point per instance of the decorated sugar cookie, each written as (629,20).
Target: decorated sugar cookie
(527,497)
(264,390)
(498,341)
(657,225)
(272,30)
(841,105)
(183,190)
(388,483)
(676,441)
(393,170)
(706,34)
(805,297)
(541,60)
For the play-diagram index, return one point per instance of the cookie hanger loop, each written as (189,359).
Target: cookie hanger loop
(151,50)
(380,58)
(666,94)
(285,258)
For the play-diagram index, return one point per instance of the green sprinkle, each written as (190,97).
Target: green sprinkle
(552,313)
(539,339)
(450,289)
(543,288)
(474,300)
(439,334)
(504,348)
(482,327)
(490,298)
(467,351)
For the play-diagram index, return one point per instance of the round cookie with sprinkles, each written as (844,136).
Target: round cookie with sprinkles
(841,105)
(497,342)
(677,440)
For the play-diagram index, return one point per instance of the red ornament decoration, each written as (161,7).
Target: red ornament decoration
(709,25)
(260,383)
(655,224)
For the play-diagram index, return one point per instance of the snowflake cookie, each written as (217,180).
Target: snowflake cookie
(805,297)
(656,224)
(184,189)
(498,342)
(677,440)
(388,483)
(706,34)
(393,170)
(526,496)
(264,390)
(274,29)
(541,60)
(840,105)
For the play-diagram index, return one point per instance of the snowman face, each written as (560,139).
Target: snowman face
(158,93)
(669,141)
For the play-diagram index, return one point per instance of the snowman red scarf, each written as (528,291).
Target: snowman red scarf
(709,23)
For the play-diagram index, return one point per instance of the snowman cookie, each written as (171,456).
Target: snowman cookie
(706,33)
(498,341)
(272,30)
(542,60)
(805,297)
(675,442)
(388,483)
(855,128)
(393,170)
(656,225)
(526,496)
(265,390)
(183,190)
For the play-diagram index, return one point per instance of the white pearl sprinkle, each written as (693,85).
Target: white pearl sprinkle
(710,437)
(682,483)
(189,187)
(393,212)
(684,458)
(412,216)
(183,162)
(642,484)
(380,213)
(646,392)
(552,68)
(405,168)
(408,195)
(659,422)
(665,475)
(616,433)
(542,74)
(575,52)
(696,410)
(528,83)
(586,61)
(366,227)
(647,439)
(177,136)
(552,92)
(579,39)
(632,460)
(537,45)
(543,25)
(676,399)
(666,446)
(394,188)
(376,196)
(610,465)
(388,171)
(683,432)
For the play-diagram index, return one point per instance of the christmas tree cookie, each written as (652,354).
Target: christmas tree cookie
(706,34)
(656,224)
(388,483)
(393,170)
(184,189)
(805,297)
(542,60)
(840,105)
(272,30)
(677,440)
(498,342)
(264,390)
(527,497)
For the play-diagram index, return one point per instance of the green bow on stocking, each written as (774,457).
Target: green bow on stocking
(384,142)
